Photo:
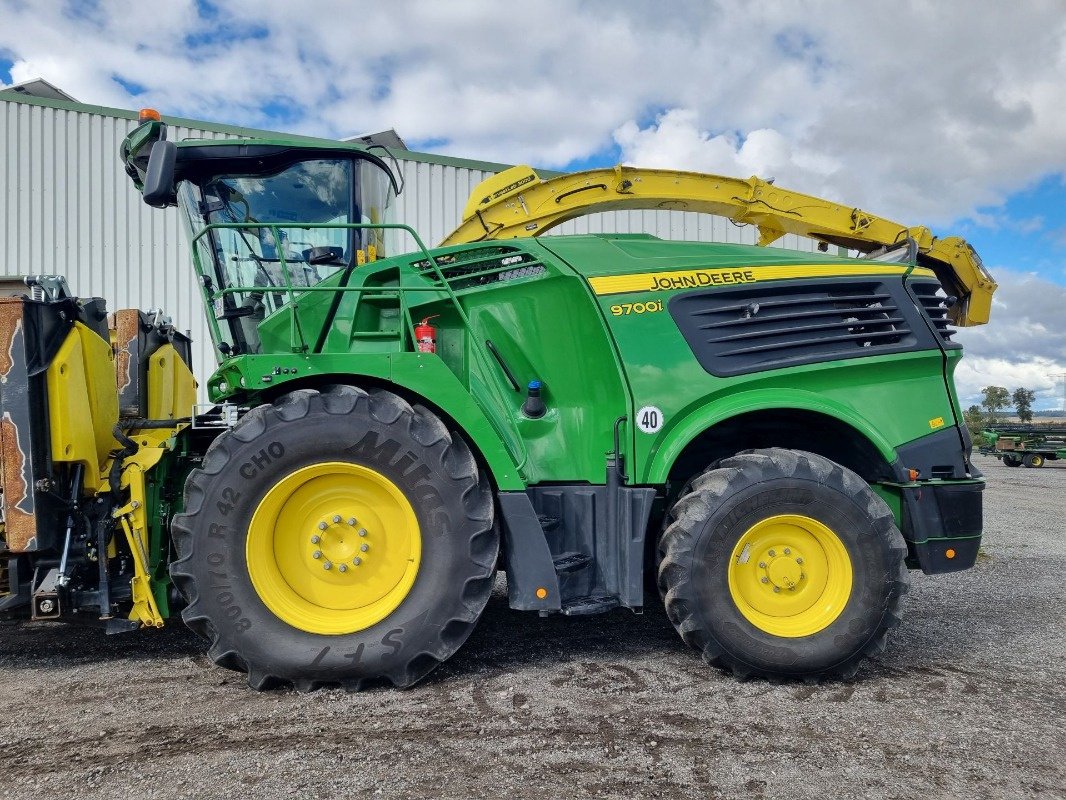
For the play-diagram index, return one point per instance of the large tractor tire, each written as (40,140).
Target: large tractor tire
(1034,460)
(336,537)
(1012,461)
(782,564)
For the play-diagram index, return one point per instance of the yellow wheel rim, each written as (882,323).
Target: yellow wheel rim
(333,548)
(790,575)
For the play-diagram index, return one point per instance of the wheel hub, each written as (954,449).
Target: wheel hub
(341,543)
(785,572)
(333,548)
(790,575)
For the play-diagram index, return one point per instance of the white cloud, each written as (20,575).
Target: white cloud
(976,372)
(1024,344)
(919,110)
(915,110)
(675,139)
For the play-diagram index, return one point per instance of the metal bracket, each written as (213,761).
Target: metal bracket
(46,603)
(48,287)
(203,415)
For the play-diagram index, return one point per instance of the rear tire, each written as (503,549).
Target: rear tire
(1012,461)
(1034,460)
(782,564)
(406,580)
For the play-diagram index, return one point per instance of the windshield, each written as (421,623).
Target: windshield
(273,251)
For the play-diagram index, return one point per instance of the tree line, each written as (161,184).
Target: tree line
(996,398)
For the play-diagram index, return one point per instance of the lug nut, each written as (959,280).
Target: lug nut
(772,554)
(351,521)
(342,567)
(337,518)
(364,547)
(764,579)
(799,560)
(777,589)
(328,565)
(322,526)
(362,531)
(316,554)
(316,539)
(762,564)
(787,551)
(357,561)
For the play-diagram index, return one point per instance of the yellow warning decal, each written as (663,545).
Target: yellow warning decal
(936,423)
(696,278)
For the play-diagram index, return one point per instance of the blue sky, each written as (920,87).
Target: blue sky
(1026,232)
(928,113)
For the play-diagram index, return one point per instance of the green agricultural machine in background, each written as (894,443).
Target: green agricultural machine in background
(773,435)
(1028,445)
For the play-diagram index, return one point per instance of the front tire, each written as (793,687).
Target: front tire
(783,564)
(335,537)
(1034,460)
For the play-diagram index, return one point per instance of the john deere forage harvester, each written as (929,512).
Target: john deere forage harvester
(774,434)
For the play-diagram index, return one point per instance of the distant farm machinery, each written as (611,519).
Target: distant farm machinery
(1018,445)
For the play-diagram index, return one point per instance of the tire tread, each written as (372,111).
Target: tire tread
(707,490)
(454,457)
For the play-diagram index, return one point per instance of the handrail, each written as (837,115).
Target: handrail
(291,291)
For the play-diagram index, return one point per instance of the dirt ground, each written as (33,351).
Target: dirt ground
(967,701)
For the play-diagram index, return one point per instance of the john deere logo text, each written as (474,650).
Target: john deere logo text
(687,280)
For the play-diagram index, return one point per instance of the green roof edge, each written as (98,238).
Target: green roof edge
(214,127)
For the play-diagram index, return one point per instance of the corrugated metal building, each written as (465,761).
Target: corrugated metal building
(67,208)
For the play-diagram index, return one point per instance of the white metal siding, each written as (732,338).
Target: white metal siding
(432,201)
(67,208)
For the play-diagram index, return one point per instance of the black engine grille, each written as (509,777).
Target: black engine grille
(754,328)
(470,268)
(935,303)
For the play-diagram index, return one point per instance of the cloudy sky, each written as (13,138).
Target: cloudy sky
(948,113)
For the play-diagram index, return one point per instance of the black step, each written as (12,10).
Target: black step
(582,606)
(570,562)
(548,523)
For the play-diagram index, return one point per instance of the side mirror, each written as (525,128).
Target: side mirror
(159,190)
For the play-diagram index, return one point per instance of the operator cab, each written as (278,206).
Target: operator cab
(283,224)
(270,219)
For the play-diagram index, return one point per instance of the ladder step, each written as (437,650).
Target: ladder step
(583,606)
(548,523)
(570,562)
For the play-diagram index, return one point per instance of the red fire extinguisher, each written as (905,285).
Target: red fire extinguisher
(426,336)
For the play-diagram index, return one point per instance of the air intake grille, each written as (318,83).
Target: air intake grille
(471,268)
(935,304)
(734,331)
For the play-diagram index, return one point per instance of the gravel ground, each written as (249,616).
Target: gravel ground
(967,701)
